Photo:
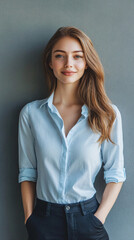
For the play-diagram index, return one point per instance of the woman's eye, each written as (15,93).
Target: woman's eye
(58,56)
(77,56)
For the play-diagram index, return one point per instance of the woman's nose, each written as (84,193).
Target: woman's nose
(68,62)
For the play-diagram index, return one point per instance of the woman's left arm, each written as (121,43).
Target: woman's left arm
(109,197)
(114,171)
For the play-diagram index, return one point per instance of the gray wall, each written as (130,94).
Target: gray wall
(25,27)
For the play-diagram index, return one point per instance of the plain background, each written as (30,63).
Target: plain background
(25,28)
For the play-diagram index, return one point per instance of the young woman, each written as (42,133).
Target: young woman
(63,141)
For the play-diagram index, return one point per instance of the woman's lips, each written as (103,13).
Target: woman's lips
(68,73)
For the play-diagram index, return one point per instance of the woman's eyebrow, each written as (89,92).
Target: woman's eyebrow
(65,51)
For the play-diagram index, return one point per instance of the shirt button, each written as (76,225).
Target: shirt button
(67,207)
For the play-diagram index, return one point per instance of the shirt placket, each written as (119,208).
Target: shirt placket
(65,145)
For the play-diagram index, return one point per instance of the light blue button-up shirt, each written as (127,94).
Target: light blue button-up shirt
(64,168)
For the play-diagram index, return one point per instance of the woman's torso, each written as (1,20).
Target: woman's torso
(59,150)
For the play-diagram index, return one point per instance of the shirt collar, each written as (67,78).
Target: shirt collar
(49,101)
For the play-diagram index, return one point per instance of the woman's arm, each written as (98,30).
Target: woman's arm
(28,191)
(108,199)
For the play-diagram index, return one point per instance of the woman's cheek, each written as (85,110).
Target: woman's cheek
(81,65)
(59,64)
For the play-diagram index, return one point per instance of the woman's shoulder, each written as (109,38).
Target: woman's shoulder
(116,110)
(32,105)
(115,107)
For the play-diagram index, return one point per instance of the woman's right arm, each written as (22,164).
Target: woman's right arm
(28,192)
(27,161)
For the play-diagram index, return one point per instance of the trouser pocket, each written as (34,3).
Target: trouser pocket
(28,219)
(97,227)
(96,220)
(89,226)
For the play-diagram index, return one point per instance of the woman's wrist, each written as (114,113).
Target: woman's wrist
(100,216)
(27,216)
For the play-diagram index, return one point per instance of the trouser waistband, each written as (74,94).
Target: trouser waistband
(48,208)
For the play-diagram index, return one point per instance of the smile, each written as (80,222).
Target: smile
(68,73)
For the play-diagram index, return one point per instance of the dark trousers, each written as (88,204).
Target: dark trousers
(75,221)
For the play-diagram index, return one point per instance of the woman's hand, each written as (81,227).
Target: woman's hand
(101,218)
(27,218)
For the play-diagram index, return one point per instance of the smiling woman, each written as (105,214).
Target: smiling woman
(64,140)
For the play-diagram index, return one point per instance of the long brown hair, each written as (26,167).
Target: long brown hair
(91,85)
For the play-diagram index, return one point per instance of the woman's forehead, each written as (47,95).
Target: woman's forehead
(68,44)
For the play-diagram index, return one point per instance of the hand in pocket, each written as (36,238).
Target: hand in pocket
(27,218)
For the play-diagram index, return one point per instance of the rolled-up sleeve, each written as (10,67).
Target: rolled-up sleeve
(112,155)
(26,152)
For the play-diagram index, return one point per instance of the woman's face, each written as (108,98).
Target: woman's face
(68,60)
